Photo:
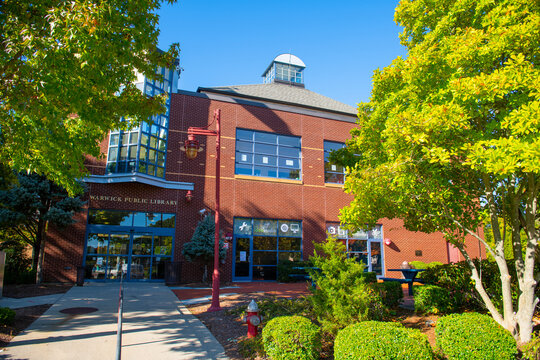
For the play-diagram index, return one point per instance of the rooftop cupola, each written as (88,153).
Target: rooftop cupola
(286,69)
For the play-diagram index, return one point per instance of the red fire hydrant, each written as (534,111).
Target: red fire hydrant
(253,319)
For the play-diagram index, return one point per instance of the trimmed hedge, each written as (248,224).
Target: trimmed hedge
(291,337)
(473,336)
(433,299)
(391,293)
(381,341)
(6,316)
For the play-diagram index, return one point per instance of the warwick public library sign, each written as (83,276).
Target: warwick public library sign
(131,200)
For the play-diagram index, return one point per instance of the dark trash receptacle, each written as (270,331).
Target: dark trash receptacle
(80,276)
(173,270)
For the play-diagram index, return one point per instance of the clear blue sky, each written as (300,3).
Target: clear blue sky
(232,42)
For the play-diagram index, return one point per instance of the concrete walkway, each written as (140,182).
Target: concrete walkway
(156,326)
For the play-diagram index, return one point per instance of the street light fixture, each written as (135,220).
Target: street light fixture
(191,148)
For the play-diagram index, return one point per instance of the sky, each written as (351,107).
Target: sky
(232,42)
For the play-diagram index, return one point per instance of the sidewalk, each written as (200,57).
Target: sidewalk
(156,326)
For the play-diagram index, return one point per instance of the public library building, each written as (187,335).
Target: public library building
(279,192)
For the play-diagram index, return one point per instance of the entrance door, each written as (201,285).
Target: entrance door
(131,255)
(242,259)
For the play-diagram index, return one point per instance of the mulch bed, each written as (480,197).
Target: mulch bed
(28,290)
(23,318)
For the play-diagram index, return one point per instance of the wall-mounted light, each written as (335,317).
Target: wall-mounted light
(189,196)
(387,242)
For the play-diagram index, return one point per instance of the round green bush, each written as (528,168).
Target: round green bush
(473,336)
(381,341)
(291,337)
(433,299)
(6,316)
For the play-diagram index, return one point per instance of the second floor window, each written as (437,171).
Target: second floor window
(269,155)
(334,174)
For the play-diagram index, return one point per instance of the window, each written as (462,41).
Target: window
(364,246)
(288,72)
(266,154)
(272,241)
(143,149)
(333,174)
(129,218)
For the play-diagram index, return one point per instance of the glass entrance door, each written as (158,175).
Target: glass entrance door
(134,245)
(242,258)
(134,256)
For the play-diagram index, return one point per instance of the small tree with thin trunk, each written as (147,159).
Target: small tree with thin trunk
(201,247)
(29,206)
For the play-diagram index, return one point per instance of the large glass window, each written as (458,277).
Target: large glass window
(364,246)
(143,149)
(271,240)
(130,218)
(268,155)
(334,174)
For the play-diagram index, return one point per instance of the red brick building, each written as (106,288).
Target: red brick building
(279,195)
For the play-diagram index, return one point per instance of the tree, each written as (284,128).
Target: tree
(450,139)
(201,247)
(28,207)
(66,78)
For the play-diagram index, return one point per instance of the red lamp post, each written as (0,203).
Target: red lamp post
(191,147)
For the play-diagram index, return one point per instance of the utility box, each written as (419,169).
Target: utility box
(173,270)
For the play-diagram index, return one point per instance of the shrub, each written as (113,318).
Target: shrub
(291,337)
(531,350)
(456,278)
(433,299)
(369,277)
(390,292)
(381,340)
(6,316)
(473,336)
(423,265)
(286,267)
(17,270)
(342,296)
(251,348)
(273,307)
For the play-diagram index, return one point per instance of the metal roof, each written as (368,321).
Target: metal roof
(284,94)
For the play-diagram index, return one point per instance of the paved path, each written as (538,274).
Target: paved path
(156,326)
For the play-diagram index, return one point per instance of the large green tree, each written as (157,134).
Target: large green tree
(27,208)
(66,78)
(451,136)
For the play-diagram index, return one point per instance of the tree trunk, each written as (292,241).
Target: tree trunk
(35,255)
(205,274)
(40,239)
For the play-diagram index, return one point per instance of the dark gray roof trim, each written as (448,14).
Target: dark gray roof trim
(138,178)
(273,106)
(284,94)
